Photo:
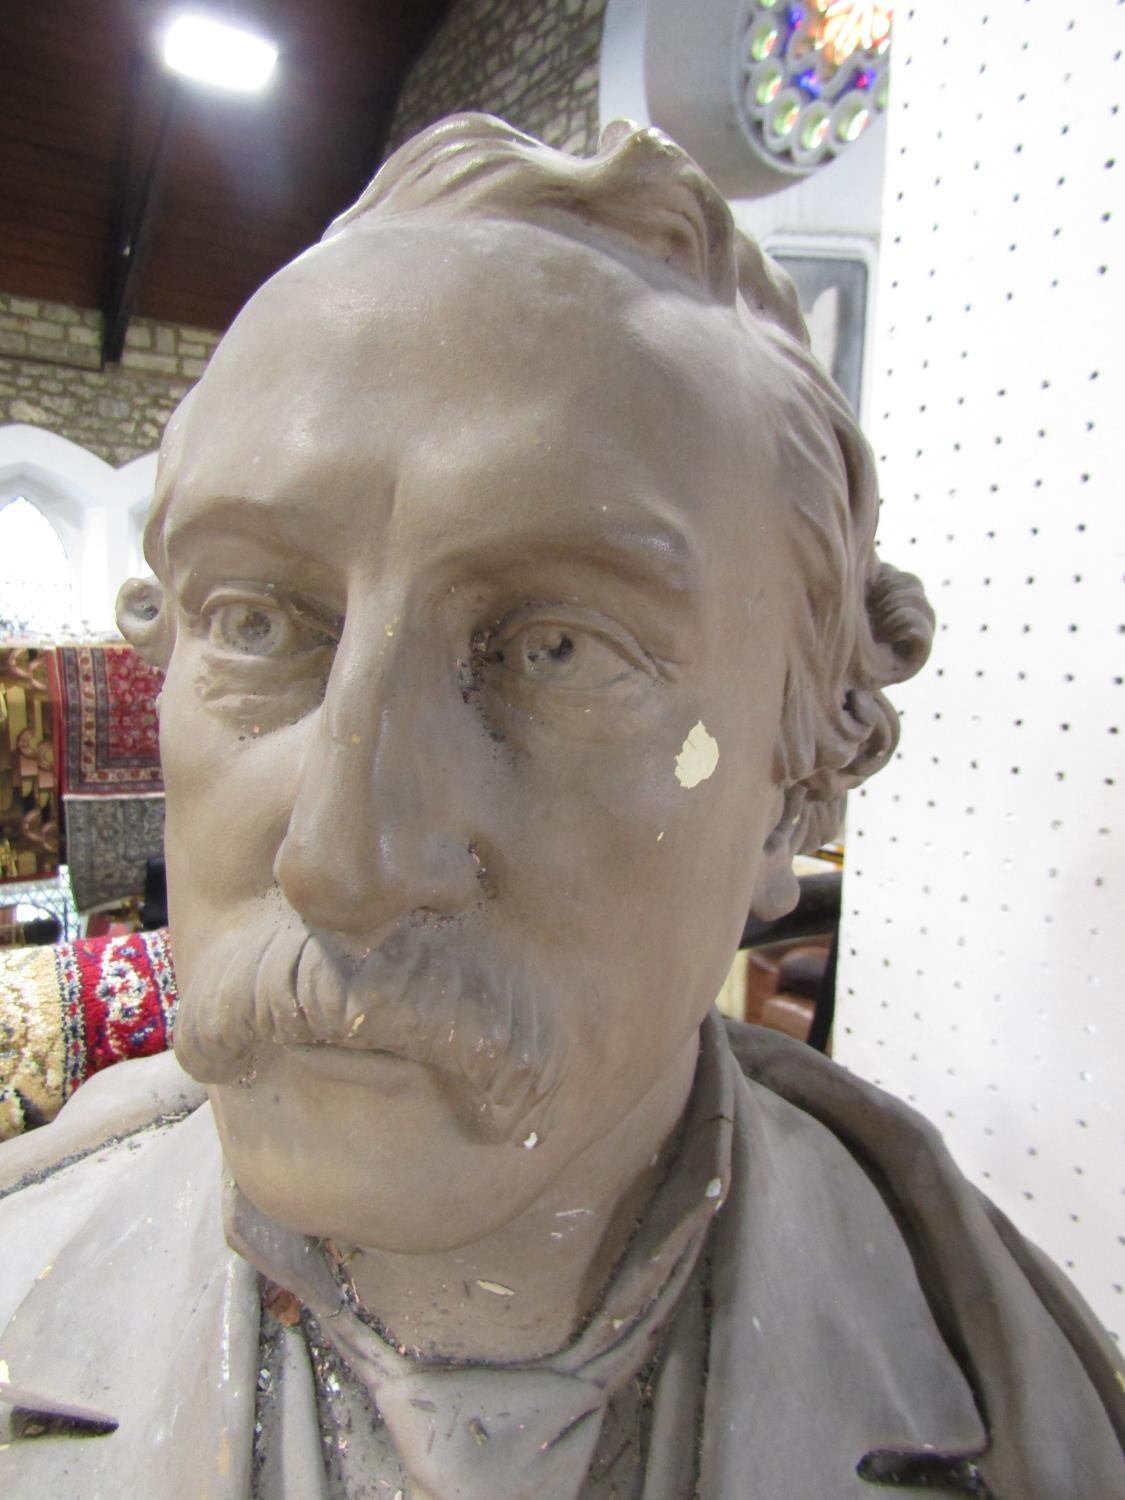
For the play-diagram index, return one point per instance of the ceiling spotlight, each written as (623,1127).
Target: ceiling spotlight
(213,52)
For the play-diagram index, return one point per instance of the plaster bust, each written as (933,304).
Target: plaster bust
(484,505)
(521,621)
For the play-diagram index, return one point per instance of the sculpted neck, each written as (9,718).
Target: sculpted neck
(526,1289)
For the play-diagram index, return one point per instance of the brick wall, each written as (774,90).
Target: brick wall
(532,62)
(50,376)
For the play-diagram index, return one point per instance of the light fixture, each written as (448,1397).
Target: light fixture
(217,53)
(812,80)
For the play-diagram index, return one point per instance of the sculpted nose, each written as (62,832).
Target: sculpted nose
(372,836)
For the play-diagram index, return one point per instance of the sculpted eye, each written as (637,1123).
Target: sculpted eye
(255,628)
(560,654)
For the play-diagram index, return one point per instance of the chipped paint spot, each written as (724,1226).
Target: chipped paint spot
(714,1188)
(698,758)
(46,1271)
(5,1376)
(532,1141)
(495,1288)
(660,835)
(357,1023)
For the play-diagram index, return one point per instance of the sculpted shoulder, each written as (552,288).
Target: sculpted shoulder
(112,1104)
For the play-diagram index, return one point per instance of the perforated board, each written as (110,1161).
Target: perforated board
(983,943)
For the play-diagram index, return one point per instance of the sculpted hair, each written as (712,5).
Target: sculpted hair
(859,625)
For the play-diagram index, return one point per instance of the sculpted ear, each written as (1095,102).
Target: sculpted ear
(776,891)
(835,734)
(143,618)
(901,621)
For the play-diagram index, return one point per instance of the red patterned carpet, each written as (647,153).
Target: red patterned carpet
(67,1012)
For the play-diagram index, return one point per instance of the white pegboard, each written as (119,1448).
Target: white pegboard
(983,942)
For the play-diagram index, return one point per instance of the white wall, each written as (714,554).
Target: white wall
(983,946)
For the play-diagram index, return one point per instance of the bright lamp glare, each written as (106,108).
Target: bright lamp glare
(215,53)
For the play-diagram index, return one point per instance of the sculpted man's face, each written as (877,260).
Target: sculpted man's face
(473,530)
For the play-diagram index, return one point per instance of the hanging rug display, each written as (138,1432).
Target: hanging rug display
(109,724)
(29,794)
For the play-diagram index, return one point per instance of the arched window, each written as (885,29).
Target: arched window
(93,510)
(37,584)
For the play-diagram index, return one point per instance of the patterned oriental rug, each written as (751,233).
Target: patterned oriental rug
(109,739)
(109,770)
(68,1011)
(109,841)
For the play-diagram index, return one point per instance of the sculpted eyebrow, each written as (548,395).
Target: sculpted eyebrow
(657,557)
(663,553)
(226,539)
(261,523)
(653,561)
(653,553)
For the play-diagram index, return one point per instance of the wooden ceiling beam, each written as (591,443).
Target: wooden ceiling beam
(142,165)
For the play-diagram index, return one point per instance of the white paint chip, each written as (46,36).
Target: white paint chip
(714,1188)
(698,759)
(532,1141)
(495,1288)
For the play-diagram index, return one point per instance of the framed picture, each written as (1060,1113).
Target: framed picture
(833,283)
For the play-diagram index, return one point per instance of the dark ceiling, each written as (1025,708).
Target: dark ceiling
(93,213)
